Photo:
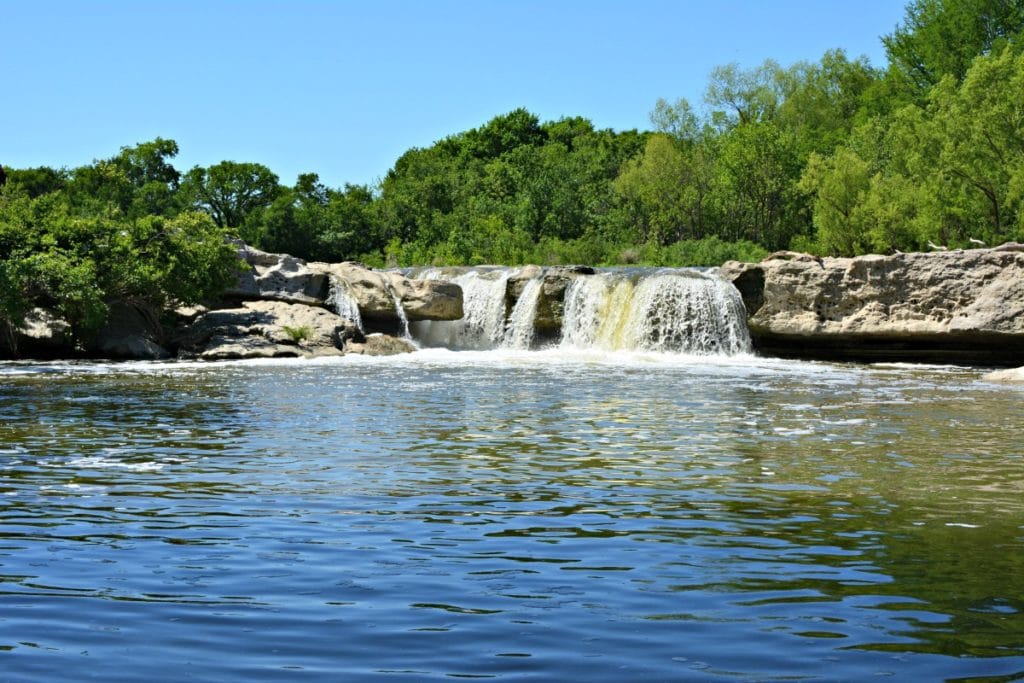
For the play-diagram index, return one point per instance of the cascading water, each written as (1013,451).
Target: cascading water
(519,331)
(344,302)
(483,303)
(400,312)
(681,311)
(668,310)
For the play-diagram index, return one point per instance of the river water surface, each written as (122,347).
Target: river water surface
(510,515)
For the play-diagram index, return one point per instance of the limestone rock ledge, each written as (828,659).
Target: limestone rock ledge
(957,306)
(376,293)
(266,329)
(1010,376)
(282,306)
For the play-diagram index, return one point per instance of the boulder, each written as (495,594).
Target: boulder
(380,345)
(277,277)
(44,334)
(375,292)
(260,329)
(131,332)
(957,306)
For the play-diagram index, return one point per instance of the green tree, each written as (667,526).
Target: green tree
(981,128)
(55,256)
(37,181)
(942,37)
(753,192)
(138,181)
(231,190)
(823,101)
(838,185)
(744,96)
(664,195)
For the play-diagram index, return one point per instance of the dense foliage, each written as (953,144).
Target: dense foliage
(833,157)
(116,231)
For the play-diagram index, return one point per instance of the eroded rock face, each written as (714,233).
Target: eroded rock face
(261,329)
(551,301)
(277,277)
(375,292)
(280,277)
(960,306)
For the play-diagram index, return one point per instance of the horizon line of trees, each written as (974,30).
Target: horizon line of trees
(833,157)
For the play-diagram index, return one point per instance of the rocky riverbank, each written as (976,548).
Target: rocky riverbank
(280,306)
(963,307)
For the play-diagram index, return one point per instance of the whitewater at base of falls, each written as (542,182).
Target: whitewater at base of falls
(664,310)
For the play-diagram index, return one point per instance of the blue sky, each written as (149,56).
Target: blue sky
(343,88)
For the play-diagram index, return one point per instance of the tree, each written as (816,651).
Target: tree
(838,185)
(942,37)
(757,170)
(37,181)
(503,134)
(824,100)
(139,181)
(230,191)
(744,96)
(981,126)
(55,256)
(665,192)
(677,120)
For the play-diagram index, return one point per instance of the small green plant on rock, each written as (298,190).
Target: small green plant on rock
(298,334)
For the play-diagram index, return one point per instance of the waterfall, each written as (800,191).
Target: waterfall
(680,311)
(344,302)
(666,310)
(400,312)
(483,303)
(519,331)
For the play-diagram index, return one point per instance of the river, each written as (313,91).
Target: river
(514,515)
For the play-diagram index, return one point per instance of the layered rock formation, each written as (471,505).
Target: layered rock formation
(378,293)
(267,329)
(292,308)
(958,306)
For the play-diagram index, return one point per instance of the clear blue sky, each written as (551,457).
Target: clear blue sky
(343,88)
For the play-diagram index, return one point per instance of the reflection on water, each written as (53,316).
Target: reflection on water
(518,515)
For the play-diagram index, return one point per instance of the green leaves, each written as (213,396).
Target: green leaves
(943,37)
(76,263)
(230,191)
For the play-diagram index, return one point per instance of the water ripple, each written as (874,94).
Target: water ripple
(509,516)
